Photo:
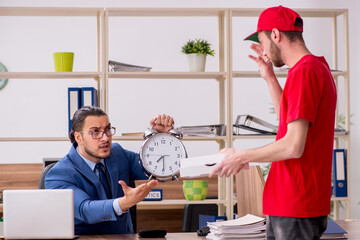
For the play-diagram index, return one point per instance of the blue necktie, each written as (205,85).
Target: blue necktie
(103,179)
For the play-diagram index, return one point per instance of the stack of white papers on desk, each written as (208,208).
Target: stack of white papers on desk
(247,227)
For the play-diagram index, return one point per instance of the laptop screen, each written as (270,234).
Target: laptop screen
(39,214)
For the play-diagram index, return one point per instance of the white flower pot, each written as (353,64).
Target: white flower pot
(196,62)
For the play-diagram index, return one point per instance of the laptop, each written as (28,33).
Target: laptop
(39,214)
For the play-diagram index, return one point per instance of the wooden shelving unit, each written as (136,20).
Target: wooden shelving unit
(225,75)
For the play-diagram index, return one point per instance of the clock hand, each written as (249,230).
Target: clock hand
(163,163)
(160,158)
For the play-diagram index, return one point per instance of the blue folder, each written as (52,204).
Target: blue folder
(339,173)
(73,103)
(89,97)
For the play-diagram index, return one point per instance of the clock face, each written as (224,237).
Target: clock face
(161,154)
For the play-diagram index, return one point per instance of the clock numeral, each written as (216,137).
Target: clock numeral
(176,163)
(147,155)
(156,144)
(163,141)
(170,168)
(170,143)
(150,163)
(156,167)
(178,155)
(176,148)
(151,149)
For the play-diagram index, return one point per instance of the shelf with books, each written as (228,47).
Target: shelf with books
(223,18)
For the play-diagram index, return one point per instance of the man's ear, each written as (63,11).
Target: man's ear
(78,137)
(275,35)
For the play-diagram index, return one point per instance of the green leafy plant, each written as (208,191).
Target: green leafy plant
(197,46)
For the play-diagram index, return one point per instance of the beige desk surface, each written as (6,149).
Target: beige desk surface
(169,236)
(352,227)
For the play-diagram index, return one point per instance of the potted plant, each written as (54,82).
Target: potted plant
(196,51)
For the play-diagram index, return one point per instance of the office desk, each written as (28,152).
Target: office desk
(352,227)
(169,236)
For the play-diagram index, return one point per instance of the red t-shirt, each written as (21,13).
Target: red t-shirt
(302,187)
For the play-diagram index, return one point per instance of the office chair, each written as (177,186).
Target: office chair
(191,215)
(43,174)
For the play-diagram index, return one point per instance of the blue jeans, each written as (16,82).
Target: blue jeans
(291,228)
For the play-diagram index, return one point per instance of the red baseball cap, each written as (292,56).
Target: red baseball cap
(279,17)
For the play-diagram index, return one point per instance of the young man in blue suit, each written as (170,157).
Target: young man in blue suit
(99,172)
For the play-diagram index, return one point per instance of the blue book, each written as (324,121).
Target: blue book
(333,231)
(339,173)
(73,103)
(89,97)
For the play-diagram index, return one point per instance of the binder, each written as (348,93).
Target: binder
(339,173)
(252,125)
(73,103)
(88,97)
(204,130)
(119,66)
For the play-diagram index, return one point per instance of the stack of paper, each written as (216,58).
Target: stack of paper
(247,227)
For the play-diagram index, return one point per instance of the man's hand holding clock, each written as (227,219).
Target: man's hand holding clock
(162,124)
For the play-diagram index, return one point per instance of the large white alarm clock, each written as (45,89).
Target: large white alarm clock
(160,155)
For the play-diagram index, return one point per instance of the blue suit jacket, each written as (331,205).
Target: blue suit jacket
(93,212)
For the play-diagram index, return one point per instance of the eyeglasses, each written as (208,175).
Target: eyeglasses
(97,134)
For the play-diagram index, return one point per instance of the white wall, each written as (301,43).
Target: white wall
(31,107)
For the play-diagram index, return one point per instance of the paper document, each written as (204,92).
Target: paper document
(246,227)
(199,166)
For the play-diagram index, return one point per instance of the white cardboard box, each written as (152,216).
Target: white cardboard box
(198,166)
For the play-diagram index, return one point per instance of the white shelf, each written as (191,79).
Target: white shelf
(278,73)
(224,76)
(50,75)
(165,12)
(339,198)
(49,11)
(168,75)
(33,139)
(140,138)
(316,13)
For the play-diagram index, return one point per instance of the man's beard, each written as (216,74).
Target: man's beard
(93,154)
(275,55)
